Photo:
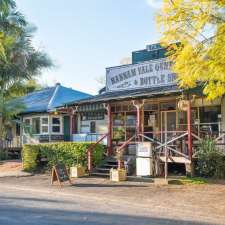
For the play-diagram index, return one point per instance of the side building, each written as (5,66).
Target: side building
(40,122)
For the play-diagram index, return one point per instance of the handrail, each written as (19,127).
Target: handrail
(90,150)
(161,132)
(125,143)
(219,138)
(121,148)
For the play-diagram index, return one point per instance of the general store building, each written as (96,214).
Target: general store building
(142,103)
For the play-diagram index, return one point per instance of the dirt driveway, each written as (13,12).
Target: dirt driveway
(201,204)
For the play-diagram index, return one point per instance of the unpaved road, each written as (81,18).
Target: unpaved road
(32,201)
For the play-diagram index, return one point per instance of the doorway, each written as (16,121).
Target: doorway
(168,124)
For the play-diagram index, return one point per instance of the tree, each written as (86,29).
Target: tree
(19,61)
(199,29)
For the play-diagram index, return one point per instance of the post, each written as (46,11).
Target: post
(138,106)
(90,167)
(71,126)
(189,130)
(138,122)
(109,137)
(166,157)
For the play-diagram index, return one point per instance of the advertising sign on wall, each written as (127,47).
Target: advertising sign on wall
(141,75)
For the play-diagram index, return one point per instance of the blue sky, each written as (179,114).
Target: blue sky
(83,37)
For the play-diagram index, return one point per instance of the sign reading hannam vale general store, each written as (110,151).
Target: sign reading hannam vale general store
(141,75)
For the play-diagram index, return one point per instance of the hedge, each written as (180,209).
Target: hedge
(68,153)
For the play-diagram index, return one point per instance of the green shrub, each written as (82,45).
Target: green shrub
(29,156)
(210,161)
(3,155)
(68,153)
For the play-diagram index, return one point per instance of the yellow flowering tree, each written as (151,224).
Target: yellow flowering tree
(198,29)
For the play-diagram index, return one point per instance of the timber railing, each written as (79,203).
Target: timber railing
(120,151)
(14,143)
(163,143)
(166,142)
(90,152)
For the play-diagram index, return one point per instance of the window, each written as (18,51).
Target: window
(27,126)
(36,125)
(209,114)
(44,125)
(56,125)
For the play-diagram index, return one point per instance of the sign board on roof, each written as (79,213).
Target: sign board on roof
(142,75)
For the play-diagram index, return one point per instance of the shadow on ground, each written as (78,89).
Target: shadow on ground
(15,213)
(113,185)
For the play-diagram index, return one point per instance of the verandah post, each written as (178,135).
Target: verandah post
(138,105)
(109,137)
(189,130)
(138,126)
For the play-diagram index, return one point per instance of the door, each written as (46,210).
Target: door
(168,124)
(93,127)
(66,128)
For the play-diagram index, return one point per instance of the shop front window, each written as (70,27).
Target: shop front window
(209,119)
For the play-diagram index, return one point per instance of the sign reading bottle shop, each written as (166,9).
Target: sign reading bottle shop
(142,75)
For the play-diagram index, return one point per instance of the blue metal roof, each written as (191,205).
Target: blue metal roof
(50,98)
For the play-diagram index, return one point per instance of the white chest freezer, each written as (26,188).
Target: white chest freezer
(144,167)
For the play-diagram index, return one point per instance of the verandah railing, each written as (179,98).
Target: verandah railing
(90,152)
(166,143)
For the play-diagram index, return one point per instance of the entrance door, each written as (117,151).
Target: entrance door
(93,127)
(168,124)
(66,128)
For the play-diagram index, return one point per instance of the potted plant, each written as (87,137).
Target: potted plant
(77,170)
(118,175)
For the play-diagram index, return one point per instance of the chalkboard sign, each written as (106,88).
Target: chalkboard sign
(60,174)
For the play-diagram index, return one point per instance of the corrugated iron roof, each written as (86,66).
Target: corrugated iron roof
(50,98)
(129,94)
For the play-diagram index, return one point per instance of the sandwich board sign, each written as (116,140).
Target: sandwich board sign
(60,174)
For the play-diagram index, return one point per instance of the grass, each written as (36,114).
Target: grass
(189,181)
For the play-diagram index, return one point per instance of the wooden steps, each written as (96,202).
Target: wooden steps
(175,159)
(104,169)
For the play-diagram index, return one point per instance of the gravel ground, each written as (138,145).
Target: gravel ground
(32,200)
(12,168)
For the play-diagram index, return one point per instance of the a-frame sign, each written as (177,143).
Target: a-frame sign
(60,174)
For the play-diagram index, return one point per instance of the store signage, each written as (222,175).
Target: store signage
(183,105)
(141,75)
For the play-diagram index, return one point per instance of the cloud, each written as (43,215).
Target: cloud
(156,4)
